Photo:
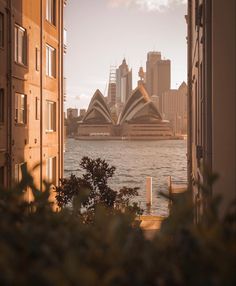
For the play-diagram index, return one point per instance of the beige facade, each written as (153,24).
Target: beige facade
(174,108)
(31,80)
(123,83)
(212,96)
(158,75)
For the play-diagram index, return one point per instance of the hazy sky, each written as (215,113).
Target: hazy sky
(100,33)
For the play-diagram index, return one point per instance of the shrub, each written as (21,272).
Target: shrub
(41,247)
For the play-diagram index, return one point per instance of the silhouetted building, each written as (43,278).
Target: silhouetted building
(72,113)
(212,98)
(158,75)
(82,112)
(174,108)
(112,87)
(31,90)
(123,83)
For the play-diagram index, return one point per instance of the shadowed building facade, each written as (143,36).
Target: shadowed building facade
(212,98)
(31,89)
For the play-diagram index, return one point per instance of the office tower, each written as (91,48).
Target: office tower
(72,112)
(123,83)
(212,98)
(174,108)
(112,87)
(31,89)
(158,75)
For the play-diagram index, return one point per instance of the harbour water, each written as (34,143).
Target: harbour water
(134,161)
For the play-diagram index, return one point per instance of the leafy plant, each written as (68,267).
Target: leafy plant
(92,189)
(42,247)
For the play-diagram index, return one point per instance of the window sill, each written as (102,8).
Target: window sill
(50,131)
(21,65)
(21,124)
(51,24)
(51,77)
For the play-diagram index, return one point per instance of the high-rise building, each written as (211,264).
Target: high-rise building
(72,112)
(112,87)
(212,98)
(158,75)
(31,89)
(123,83)
(174,108)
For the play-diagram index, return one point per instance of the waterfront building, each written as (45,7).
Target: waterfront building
(123,83)
(158,75)
(31,89)
(72,113)
(174,108)
(98,118)
(139,120)
(212,98)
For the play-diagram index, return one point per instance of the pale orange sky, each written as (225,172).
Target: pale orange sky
(102,32)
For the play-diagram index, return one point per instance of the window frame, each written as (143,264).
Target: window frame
(51,12)
(24,110)
(51,67)
(20,52)
(2,109)
(51,172)
(2,34)
(51,116)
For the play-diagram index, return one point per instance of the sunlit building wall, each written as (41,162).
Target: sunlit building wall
(212,98)
(31,89)
(174,108)
(158,75)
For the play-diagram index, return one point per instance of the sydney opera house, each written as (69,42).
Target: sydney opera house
(139,119)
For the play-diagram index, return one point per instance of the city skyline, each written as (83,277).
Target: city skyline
(90,54)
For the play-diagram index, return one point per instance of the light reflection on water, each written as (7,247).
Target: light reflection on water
(134,161)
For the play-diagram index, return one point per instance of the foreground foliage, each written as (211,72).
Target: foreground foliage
(41,247)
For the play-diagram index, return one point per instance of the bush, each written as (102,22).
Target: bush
(41,247)
(92,189)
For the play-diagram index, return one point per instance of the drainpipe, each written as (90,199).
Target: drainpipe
(189,101)
(60,89)
(41,95)
(9,92)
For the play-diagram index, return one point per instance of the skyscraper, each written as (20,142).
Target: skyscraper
(112,87)
(123,83)
(158,75)
(31,89)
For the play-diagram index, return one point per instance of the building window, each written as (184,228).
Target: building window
(20,108)
(37,59)
(51,11)
(1,105)
(20,45)
(51,116)
(1,30)
(37,108)
(18,171)
(50,61)
(51,170)
(1,176)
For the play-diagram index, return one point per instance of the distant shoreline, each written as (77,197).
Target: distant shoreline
(128,138)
